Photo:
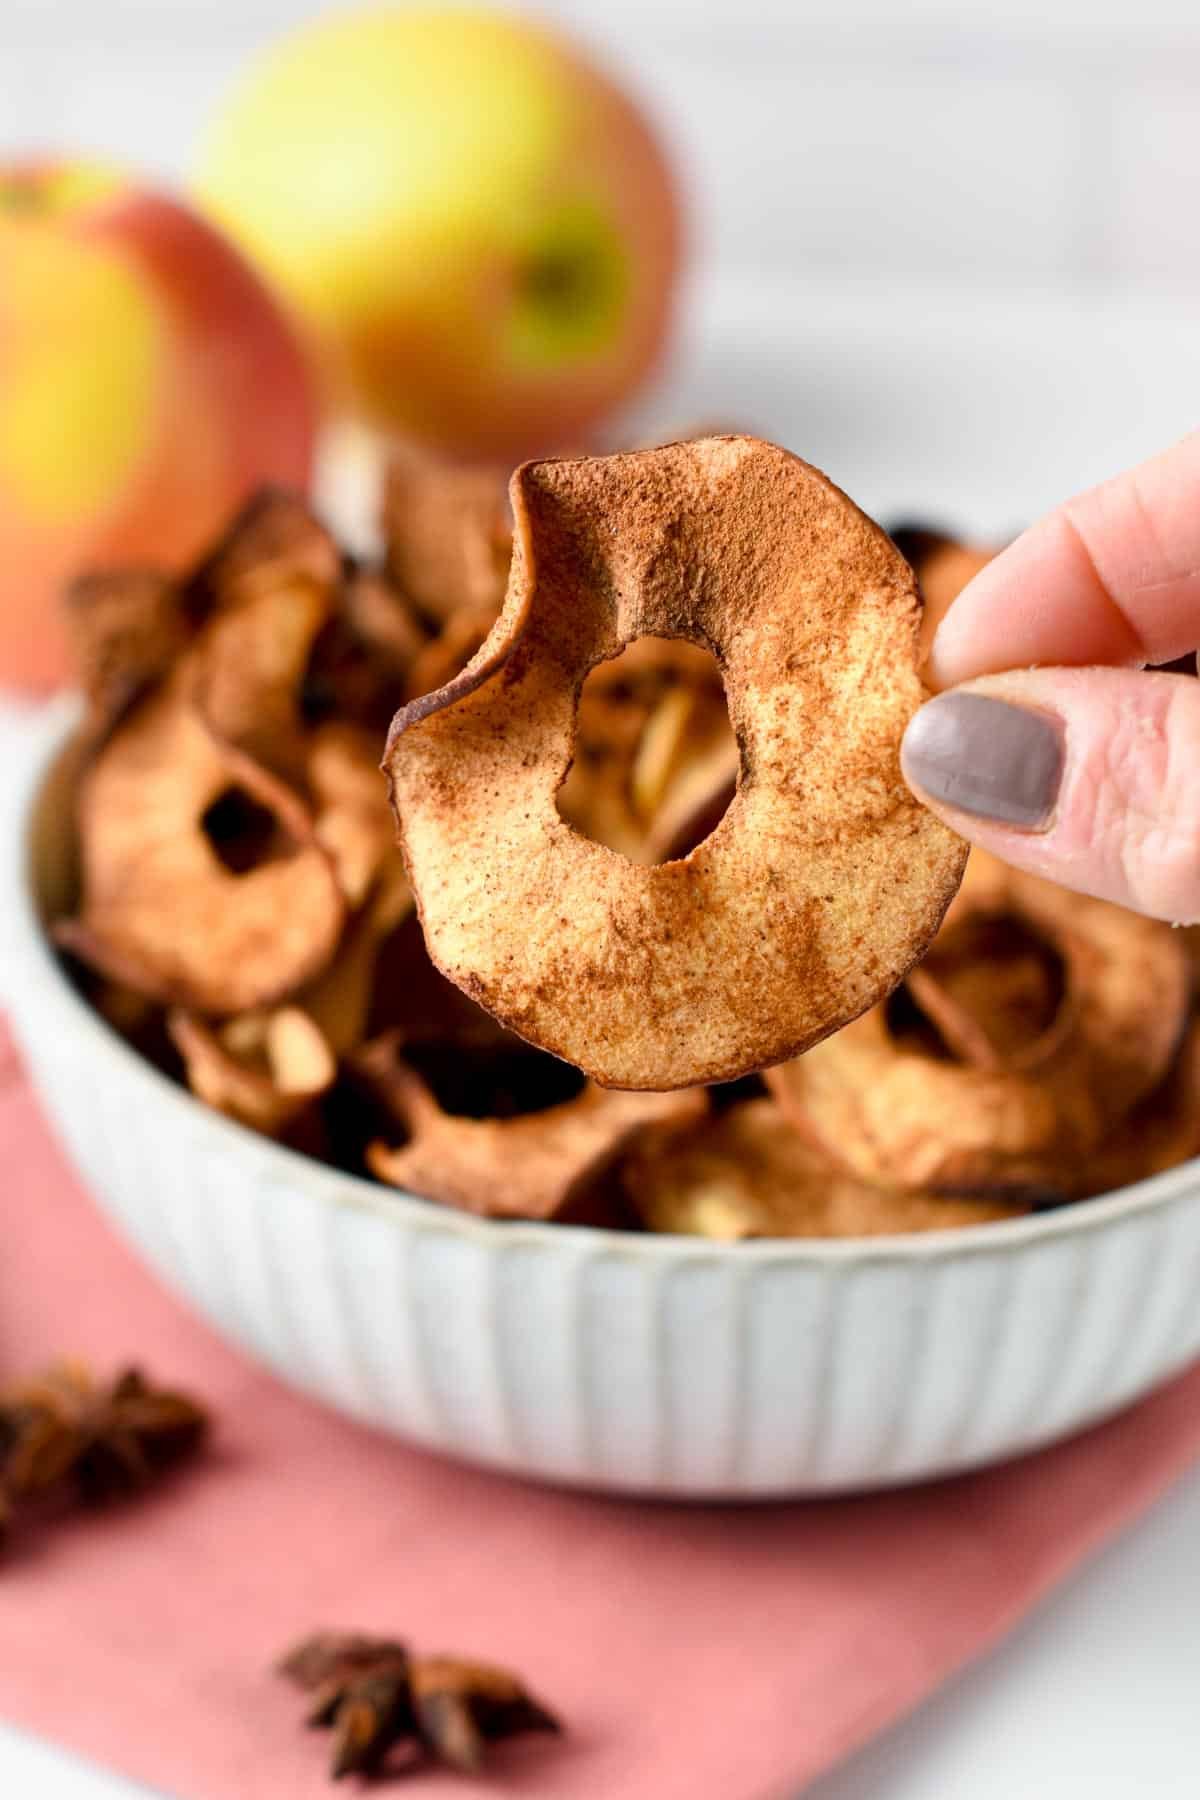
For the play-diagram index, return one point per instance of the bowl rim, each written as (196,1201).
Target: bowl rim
(39,975)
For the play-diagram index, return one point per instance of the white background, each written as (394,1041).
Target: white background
(964,150)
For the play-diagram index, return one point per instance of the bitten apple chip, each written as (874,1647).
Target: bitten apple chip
(824,881)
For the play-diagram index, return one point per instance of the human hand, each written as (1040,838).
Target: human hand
(1049,744)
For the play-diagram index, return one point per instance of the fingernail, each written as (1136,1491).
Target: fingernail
(986,757)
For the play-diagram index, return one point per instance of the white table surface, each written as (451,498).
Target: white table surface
(981,415)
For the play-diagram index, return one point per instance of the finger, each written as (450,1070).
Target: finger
(1111,577)
(1086,776)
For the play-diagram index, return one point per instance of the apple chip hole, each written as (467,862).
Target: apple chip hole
(243,833)
(656,761)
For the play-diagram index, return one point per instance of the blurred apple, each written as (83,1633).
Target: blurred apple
(480,223)
(147,383)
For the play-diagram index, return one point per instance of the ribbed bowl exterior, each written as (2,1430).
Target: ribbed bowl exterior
(649,1364)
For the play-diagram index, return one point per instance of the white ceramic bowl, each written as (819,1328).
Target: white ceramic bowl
(660,1365)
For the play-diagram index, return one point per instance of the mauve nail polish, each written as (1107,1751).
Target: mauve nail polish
(986,757)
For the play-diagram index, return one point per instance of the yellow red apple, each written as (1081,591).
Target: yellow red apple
(148,381)
(479,221)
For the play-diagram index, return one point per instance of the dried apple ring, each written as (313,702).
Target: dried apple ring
(163,911)
(272,586)
(541,1165)
(891,1106)
(825,879)
(340,999)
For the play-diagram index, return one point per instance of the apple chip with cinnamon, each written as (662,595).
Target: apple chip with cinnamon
(1038,1023)
(203,882)
(825,880)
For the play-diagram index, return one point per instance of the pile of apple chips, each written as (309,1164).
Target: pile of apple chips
(244,920)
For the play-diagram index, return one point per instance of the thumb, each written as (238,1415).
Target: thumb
(1089,777)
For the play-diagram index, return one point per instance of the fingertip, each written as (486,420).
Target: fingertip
(1081,776)
(983,755)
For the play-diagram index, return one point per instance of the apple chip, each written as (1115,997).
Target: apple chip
(274,584)
(1038,1021)
(746,1173)
(694,803)
(449,539)
(381,620)
(203,884)
(825,880)
(541,1165)
(245,921)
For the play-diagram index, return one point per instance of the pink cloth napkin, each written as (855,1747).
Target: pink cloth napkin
(694,1652)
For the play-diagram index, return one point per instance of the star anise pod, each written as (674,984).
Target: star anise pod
(65,1433)
(375,1696)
